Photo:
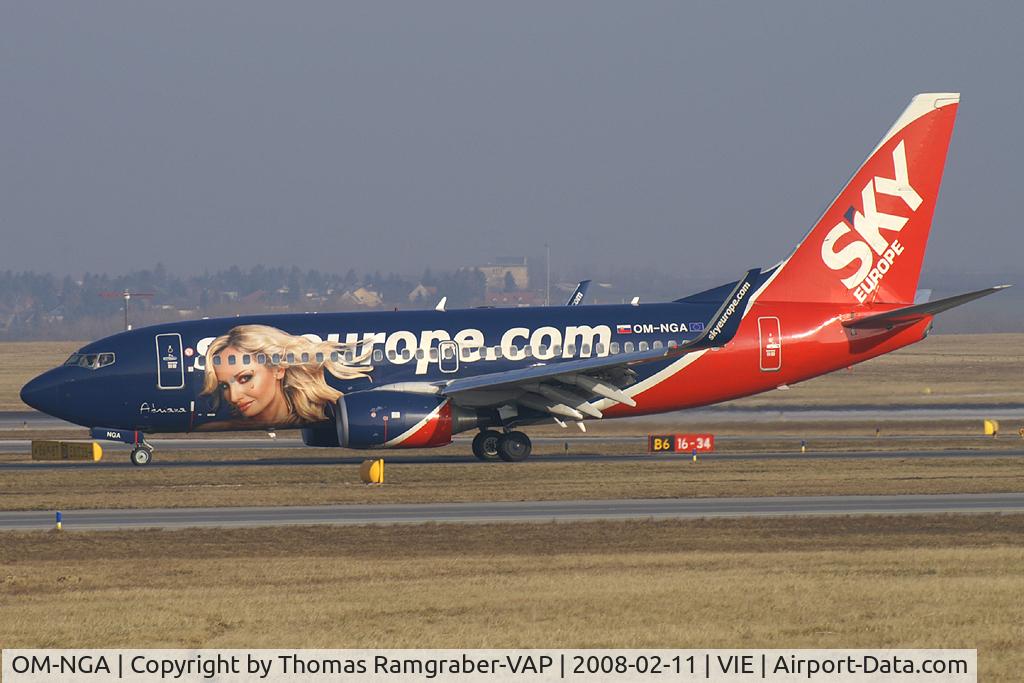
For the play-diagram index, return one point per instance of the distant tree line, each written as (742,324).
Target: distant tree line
(44,306)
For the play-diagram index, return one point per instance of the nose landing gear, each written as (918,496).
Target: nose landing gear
(141,454)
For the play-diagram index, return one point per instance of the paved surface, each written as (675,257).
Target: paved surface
(676,508)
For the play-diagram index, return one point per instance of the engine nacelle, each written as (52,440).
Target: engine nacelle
(397,419)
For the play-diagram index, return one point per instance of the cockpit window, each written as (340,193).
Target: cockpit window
(90,361)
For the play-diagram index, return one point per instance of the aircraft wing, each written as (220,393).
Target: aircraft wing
(565,389)
(917,312)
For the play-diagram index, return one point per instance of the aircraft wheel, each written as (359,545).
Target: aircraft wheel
(485,444)
(141,456)
(514,447)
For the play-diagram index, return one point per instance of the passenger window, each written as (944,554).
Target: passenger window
(628,347)
(392,355)
(542,350)
(585,350)
(570,349)
(261,359)
(232,360)
(216,360)
(378,355)
(419,354)
(350,356)
(305,357)
(672,343)
(527,351)
(657,345)
(433,353)
(497,353)
(246,359)
(276,359)
(335,356)
(599,349)
(615,347)
(319,357)
(556,350)
(201,361)
(466,352)
(290,358)
(644,346)
(406,354)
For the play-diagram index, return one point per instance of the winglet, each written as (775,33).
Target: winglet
(724,323)
(576,298)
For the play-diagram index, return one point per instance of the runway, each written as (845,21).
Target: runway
(543,511)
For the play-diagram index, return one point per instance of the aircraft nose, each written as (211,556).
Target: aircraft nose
(41,393)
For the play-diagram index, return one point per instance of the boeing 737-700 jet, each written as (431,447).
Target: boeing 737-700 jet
(414,379)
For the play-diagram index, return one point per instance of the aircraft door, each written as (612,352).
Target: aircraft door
(770,336)
(448,356)
(170,364)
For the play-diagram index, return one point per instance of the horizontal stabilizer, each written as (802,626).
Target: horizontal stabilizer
(917,312)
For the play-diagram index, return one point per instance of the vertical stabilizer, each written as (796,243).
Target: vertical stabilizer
(869,244)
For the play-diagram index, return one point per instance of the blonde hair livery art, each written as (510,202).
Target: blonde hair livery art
(303,384)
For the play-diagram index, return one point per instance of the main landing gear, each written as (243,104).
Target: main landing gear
(510,446)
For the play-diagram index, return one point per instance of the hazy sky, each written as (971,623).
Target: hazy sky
(694,136)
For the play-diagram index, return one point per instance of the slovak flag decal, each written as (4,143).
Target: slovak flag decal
(624,329)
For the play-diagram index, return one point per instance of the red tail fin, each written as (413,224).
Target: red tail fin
(868,246)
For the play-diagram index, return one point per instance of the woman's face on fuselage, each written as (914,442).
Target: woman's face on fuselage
(254,390)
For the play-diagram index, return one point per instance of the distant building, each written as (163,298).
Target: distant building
(502,266)
(519,298)
(422,292)
(363,297)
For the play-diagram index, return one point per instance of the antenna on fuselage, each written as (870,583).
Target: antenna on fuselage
(440,304)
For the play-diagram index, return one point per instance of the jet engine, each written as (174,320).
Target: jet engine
(398,419)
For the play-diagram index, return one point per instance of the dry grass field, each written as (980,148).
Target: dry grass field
(21,361)
(915,581)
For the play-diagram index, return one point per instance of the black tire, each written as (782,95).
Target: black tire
(514,447)
(141,456)
(485,444)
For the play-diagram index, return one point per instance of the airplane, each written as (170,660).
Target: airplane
(414,379)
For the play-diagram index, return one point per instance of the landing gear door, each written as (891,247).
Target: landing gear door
(448,356)
(771,344)
(170,365)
